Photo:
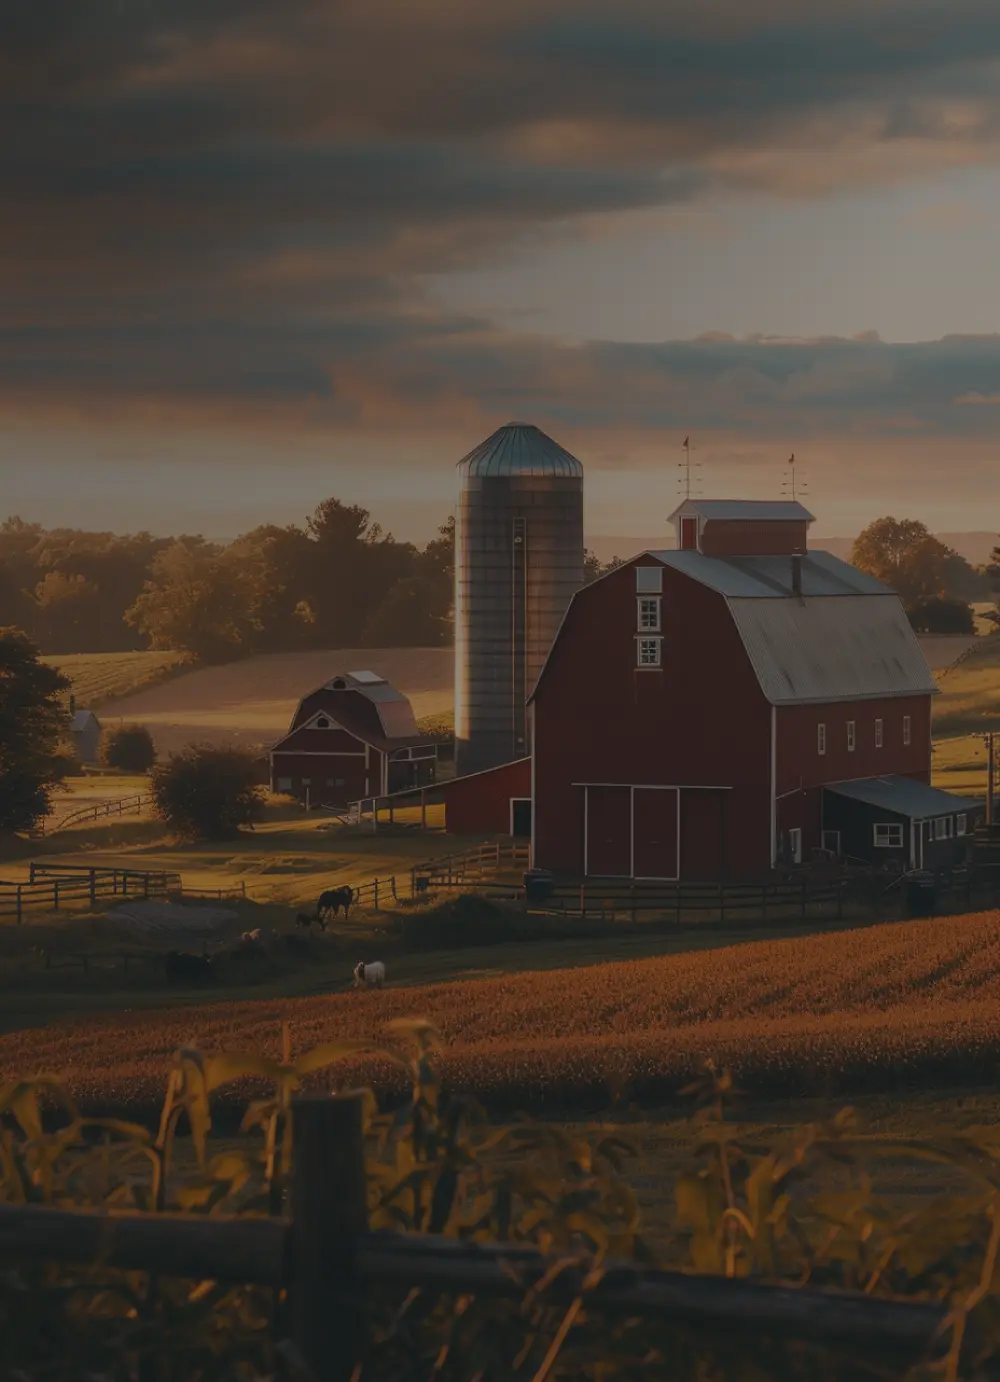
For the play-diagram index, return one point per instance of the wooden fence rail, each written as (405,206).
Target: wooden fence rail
(54,885)
(136,802)
(327,1259)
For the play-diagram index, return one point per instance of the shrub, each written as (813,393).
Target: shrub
(129,748)
(207,793)
(942,616)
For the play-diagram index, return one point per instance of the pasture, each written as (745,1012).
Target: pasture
(882,1008)
(250,703)
(98,678)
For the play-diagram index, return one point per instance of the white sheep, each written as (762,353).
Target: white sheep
(365,975)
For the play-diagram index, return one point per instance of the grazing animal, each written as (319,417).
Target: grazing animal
(303,920)
(333,899)
(369,975)
(182,967)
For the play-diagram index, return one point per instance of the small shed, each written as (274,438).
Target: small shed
(878,819)
(85,729)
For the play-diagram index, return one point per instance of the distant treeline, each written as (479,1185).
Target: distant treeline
(338,581)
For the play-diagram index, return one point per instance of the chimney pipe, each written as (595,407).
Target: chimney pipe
(797,574)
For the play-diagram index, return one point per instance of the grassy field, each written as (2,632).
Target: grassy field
(251,703)
(823,1015)
(98,678)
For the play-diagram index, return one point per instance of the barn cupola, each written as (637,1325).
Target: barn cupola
(742,527)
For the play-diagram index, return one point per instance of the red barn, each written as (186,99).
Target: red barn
(700,708)
(353,737)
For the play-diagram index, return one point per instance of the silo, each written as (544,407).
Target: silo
(518,561)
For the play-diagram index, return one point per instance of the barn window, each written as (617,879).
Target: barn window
(284,784)
(942,828)
(821,739)
(852,737)
(648,650)
(889,836)
(649,612)
(878,734)
(961,824)
(322,723)
(649,580)
(906,729)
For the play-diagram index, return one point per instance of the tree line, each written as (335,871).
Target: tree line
(338,580)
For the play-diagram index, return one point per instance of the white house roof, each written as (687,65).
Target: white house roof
(82,719)
(762,577)
(823,648)
(745,510)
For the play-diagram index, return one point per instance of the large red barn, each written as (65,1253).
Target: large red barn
(354,736)
(709,711)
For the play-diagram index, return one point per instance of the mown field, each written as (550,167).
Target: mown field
(98,678)
(879,1007)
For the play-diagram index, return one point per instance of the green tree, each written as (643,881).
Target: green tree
(941,616)
(412,614)
(32,723)
(353,564)
(206,793)
(199,599)
(66,607)
(594,567)
(906,556)
(129,748)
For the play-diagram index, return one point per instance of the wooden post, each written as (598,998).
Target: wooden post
(20,907)
(31,873)
(93,886)
(376,895)
(763,903)
(329,1211)
(55,894)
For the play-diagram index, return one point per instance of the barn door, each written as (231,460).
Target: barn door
(654,837)
(703,836)
(608,827)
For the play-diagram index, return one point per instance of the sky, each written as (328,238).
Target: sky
(252,255)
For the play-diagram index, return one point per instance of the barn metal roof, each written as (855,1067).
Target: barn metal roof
(520,449)
(745,510)
(762,577)
(903,796)
(853,647)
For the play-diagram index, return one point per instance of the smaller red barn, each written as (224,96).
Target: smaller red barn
(496,801)
(355,736)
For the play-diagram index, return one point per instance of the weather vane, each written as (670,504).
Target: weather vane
(688,481)
(794,485)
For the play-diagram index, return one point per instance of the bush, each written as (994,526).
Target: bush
(207,793)
(129,748)
(941,616)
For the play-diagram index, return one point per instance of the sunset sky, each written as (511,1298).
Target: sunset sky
(256,253)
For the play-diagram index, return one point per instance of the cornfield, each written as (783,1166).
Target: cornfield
(828,1014)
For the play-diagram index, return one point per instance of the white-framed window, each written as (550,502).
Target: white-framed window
(821,739)
(284,784)
(852,736)
(907,733)
(649,612)
(648,652)
(649,580)
(942,828)
(878,734)
(961,824)
(795,844)
(888,836)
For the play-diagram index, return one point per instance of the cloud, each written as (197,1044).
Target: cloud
(231,205)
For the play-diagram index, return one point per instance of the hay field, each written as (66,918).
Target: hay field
(970,693)
(101,677)
(831,1013)
(250,703)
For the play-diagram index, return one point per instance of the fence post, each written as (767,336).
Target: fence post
(375,904)
(19,905)
(93,886)
(55,894)
(329,1210)
(31,873)
(804,898)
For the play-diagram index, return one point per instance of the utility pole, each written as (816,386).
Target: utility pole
(990,762)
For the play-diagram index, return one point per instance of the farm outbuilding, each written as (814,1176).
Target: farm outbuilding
(496,801)
(85,731)
(698,702)
(354,736)
(895,818)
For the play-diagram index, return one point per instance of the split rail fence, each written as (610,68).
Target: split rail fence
(327,1260)
(52,886)
(124,806)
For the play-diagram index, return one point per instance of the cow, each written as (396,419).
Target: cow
(333,899)
(366,976)
(182,967)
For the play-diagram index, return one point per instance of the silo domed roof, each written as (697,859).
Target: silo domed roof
(520,449)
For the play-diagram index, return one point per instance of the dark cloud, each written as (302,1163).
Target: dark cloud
(230,201)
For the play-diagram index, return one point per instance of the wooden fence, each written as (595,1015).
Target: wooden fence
(52,886)
(326,1258)
(124,806)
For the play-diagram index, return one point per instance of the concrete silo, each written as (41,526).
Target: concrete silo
(518,561)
